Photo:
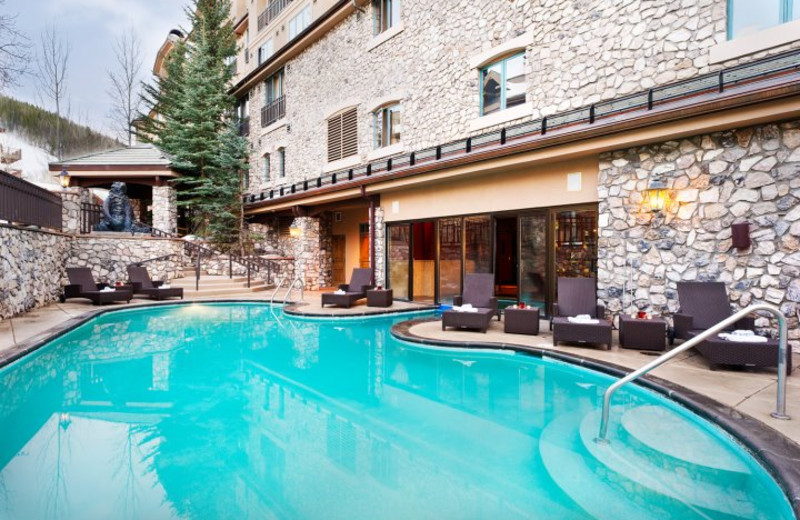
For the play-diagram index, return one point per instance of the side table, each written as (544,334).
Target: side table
(521,321)
(380,297)
(642,334)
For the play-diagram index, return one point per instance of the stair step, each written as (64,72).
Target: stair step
(224,292)
(635,471)
(667,438)
(210,280)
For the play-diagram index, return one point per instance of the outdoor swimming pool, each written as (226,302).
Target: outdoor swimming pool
(236,411)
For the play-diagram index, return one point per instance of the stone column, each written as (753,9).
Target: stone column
(71,210)
(312,252)
(380,247)
(165,209)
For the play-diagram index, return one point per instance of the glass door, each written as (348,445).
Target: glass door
(398,257)
(574,239)
(478,244)
(423,267)
(533,260)
(450,251)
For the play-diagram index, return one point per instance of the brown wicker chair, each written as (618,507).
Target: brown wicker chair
(82,285)
(478,292)
(142,284)
(579,296)
(703,305)
(360,281)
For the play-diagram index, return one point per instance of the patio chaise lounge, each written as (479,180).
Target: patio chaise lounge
(703,305)
(479,297)
(577,297)
(349,293)
(82,285)
(142,284)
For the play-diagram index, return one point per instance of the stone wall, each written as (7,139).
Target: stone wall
(165,209)
(746,175)
(109,254)
(380,247)
(71,211)
(580,53)
(312,251)
(31,268)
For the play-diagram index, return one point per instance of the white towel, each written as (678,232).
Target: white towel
(164,286)
(339,291)
(107,289)
(582,318)
(467,307)
(743,336)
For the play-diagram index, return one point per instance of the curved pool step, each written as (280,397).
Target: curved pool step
(642,472)
(665,437)
(572,468)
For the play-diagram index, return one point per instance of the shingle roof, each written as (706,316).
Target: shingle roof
(144,154)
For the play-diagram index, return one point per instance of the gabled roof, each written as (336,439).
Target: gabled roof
(138,155)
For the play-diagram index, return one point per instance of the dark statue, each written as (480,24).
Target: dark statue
(117,212)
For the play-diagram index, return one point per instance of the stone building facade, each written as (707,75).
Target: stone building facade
(725,161)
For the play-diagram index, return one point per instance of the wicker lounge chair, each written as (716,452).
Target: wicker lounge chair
(578,296)
(479,293)
(360,281)
(703,305)
(142,284)
(82,285)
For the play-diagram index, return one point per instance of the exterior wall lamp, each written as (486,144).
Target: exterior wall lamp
(657,194)
(295,232)
(64,178)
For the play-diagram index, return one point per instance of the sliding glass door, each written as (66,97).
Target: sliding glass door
(450,253)
(533,260)
(399,255)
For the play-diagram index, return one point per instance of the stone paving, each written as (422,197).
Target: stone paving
(750,391)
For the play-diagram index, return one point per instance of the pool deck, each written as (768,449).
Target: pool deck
(751,392)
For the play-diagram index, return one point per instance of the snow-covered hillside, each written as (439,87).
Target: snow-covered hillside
(34,162)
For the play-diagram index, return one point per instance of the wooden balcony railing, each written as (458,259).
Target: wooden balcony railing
(272,112)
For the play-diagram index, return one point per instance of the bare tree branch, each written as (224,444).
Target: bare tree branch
(14,50)
(124,89)
(53,69)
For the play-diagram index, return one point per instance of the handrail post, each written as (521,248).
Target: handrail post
(230,264)
(780,406)
(197,273)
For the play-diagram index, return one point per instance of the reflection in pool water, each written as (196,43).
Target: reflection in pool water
(234,411)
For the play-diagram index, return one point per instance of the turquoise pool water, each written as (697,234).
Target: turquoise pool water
(227,411)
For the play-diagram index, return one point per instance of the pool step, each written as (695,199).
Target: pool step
(648,478)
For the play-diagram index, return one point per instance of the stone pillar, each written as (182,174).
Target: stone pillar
(312,252)
(71,210)
(380,247)
(165,209)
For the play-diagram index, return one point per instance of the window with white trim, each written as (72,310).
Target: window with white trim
(265,51)
(300,21)
(749,16)
(265,167)
(503,84)
(343,135)
(386,123)
(281,163)
(386,14)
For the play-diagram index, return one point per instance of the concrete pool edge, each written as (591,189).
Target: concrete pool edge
(779,455)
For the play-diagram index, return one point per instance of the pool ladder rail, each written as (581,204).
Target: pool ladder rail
(288,291)
(783,345)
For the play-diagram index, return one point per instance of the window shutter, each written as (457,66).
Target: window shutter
(335,138)
(350,133)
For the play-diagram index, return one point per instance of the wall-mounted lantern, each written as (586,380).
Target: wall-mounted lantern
(295,231)
(64,178)
(657,194)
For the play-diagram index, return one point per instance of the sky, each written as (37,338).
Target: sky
(91,27)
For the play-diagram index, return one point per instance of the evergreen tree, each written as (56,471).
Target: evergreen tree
(195,109)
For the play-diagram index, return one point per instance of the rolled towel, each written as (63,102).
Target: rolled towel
(339,291)
(107,289)
(743,338)
(582,319)
(164,286)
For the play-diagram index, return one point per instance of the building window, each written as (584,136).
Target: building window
(265,51)
(343,135)
(300,21)
(503,84)
(245,179)
(265,167)
(386,122)
(747,16)
(386,14)
(281,162)
(274,106)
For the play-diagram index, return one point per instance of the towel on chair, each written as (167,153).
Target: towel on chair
(583,319)
(743,336)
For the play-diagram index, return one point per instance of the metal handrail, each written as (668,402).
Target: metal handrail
(780,406)
(291,288)
(277,288)
(156,259)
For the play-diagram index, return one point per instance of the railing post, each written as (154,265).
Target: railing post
(248,274)
(722,81)
(230,264)
(197,273)
(650,99)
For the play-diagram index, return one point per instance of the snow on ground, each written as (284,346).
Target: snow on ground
(34,162)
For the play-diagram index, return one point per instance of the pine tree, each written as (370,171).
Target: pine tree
(196,127)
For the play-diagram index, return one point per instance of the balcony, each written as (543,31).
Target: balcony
(273,111)
(271,12)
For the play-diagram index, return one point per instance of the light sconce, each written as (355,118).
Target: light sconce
(657,194)
(64,178)
(295,231)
